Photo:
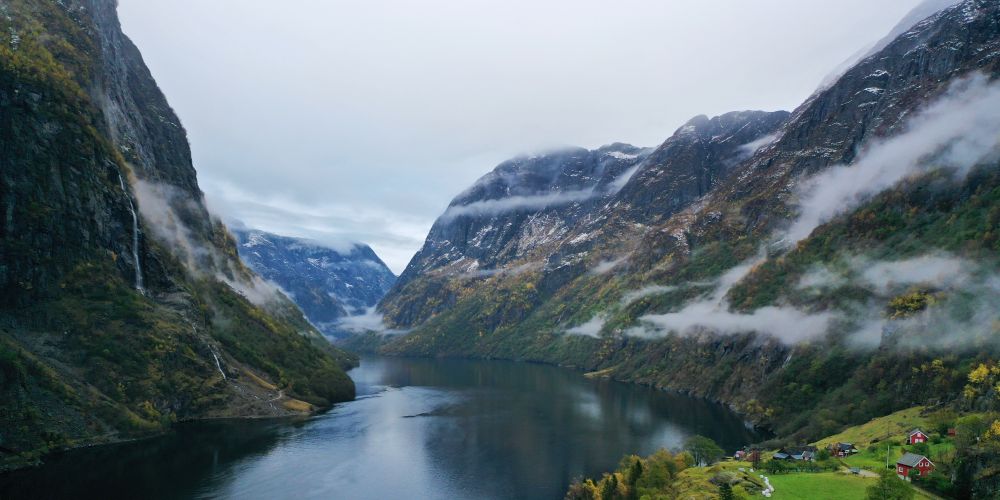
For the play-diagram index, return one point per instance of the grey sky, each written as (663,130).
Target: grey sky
(360,120)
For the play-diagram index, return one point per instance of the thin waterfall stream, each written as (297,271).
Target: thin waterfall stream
(135,237)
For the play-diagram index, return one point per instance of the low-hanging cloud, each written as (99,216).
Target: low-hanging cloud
(369,321)
(788,324)
(647,291)
(964,311)
(157,203)
(753,146)
(653,290)
(938,270)
(509,204)
(711,314)
(538,201)
(592,328)
(504,271)
(958,130)
(608,265)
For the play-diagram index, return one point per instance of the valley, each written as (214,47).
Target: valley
(781,304)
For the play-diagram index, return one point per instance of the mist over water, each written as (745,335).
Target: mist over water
(419,429)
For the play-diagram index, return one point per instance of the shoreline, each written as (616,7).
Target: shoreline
(15,466)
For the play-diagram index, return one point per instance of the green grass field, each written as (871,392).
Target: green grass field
(825,486)
(820,486)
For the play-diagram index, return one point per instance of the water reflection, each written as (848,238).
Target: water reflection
(419,429)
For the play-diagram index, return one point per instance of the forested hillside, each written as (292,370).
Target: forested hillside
(123,304)
(811,269)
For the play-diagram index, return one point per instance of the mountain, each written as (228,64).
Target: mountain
(123,305)
(328,284)
(811,269)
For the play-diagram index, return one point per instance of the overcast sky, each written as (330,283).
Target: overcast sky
(360,120)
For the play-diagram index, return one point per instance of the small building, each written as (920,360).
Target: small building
(916,436)
(806,453)
(912,461)
(842,449)
(952,432)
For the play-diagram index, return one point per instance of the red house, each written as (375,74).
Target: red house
(916,436)
(911,461)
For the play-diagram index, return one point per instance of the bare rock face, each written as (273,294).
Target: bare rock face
(123,306)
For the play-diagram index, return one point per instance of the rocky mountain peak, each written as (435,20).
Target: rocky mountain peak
(327,283)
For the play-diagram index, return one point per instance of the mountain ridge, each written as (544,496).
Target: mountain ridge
(566,302)
(328,284)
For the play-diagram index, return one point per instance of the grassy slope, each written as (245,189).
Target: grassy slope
(879,429)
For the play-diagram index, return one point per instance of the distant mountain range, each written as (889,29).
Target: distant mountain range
(328,284)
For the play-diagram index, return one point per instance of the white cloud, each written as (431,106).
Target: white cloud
(787,324)
(648,291)
(752,146)
(937,270)
(330,224)
(511,203)
(957,130)
(370,321)
(373,108)
(821,277)
(158,203)
(592,328)
(606,266)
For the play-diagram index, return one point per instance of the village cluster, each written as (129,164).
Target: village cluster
(908,466)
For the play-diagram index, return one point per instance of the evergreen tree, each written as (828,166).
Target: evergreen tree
(609,487)
(726,492)
(635,473)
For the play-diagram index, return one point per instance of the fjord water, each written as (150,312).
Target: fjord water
(420,428)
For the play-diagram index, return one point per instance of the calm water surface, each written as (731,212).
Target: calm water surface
(419,429)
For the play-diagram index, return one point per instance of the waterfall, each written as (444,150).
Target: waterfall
(219,366)
(135,238)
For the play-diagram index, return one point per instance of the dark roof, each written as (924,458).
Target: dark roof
(780,455)
(914,431)
(911,459)
(798,450)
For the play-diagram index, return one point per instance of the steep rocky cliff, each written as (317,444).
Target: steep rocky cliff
(328,284)
(123,304)
(701,272)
